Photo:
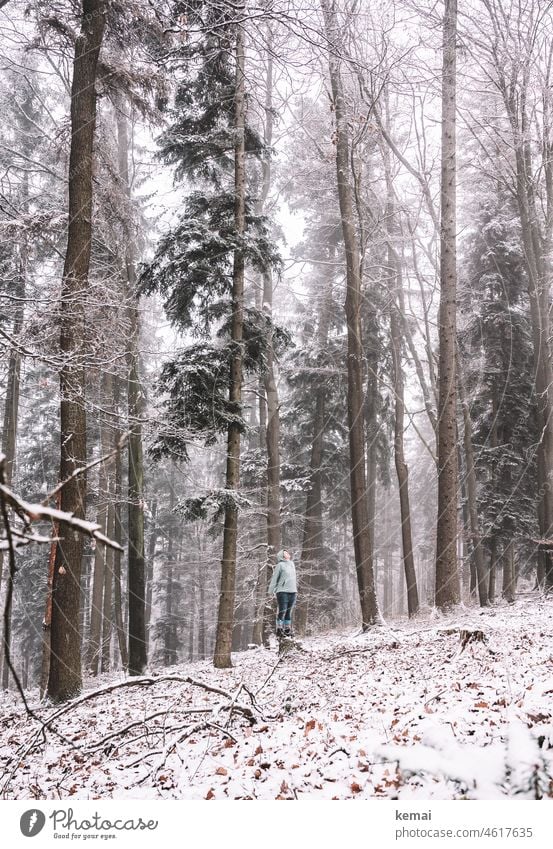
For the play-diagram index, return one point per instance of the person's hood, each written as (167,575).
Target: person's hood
(280,555)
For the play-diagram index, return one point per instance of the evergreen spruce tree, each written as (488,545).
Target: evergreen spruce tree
(199,265)
(496,344)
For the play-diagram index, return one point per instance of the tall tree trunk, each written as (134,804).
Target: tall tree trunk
(9,437)
(273,415)
(359,507)
(65,659)
(225,615)
(402,470)
(448,589)
(272,432)
(312,546)
(135,402)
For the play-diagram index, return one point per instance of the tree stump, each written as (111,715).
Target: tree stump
(287,645)
(466,637)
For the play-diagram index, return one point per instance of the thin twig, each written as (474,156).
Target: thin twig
(270,675)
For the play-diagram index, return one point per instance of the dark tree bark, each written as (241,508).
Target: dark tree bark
(136,582)
(225,615)
(448,589)
(359,507)
(65,658)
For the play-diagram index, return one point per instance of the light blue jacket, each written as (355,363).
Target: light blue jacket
(283,579)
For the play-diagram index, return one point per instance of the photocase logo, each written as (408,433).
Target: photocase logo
(32,823)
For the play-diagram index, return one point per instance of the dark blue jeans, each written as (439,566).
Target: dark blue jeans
(286,602)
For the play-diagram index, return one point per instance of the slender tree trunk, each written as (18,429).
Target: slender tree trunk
(152,542)
(492,575)
(135,402)
(98,577)
(273,415)
(107,613)
(542,560)
(65,658)
(448,590)
(47,621)
(477,550)
(202,642)
(371,424)
(402,471)
(313,520)
(192,596)
(359,508)
(468,572)
(312,547)
(9,437)
(136,575)
(168,658)
(11,406)
(509,575)
(118,536)
(225,615)
(272,432)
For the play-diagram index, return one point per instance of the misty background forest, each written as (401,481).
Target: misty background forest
(273,274)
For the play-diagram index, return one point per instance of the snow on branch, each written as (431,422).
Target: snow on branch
(29,512)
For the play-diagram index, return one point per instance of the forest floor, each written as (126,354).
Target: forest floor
(407,711)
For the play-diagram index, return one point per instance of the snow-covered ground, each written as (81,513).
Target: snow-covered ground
(403,712)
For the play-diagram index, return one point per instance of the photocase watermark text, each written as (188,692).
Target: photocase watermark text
(66,825)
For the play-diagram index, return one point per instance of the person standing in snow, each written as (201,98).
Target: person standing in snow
(283,583)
